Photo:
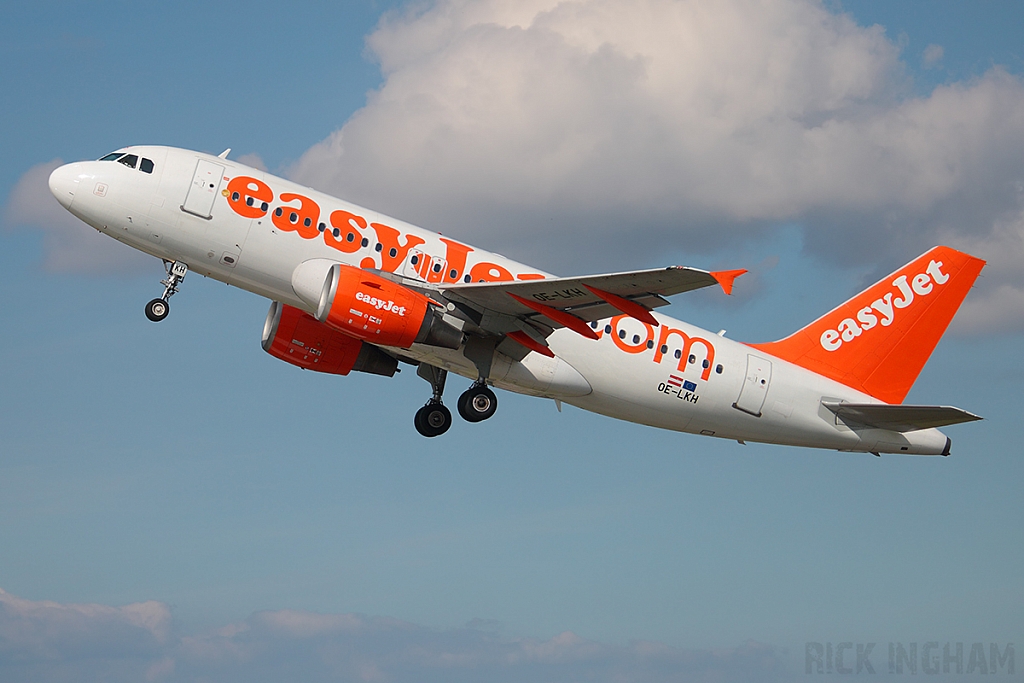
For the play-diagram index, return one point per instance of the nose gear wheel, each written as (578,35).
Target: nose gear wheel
(157,310)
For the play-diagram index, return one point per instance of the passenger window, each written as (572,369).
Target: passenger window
(113,156)
(129,160)
(146,165)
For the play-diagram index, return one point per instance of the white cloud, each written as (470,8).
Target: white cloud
(46,641)
(932,55)
(254,160)
(595,133)
(70,246)
(998,305)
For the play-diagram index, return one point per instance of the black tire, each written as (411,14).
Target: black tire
(433,419)
(157,310)
(477,404)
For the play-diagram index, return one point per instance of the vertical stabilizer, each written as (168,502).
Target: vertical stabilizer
(878,341)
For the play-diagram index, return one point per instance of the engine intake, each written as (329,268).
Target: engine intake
(300,339)
(374,309)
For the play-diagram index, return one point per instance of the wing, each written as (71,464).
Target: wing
(528,311)
(899,418)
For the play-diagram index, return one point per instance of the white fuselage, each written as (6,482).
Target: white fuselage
(703,383)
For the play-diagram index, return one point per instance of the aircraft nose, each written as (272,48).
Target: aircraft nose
(64,184)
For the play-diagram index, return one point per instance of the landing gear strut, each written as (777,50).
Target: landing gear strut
(157,309)
(433,419)
(477,403)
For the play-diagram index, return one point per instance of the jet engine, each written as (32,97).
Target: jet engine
(371,308)
(298,338)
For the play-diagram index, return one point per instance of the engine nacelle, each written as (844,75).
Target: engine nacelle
(368,307)
(300,339)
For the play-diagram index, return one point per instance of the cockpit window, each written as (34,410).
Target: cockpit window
(112,156)
(129,160)
(146,166)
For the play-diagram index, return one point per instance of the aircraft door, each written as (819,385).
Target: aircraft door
(755,386)
(414,263)
(203,190)
(437,268)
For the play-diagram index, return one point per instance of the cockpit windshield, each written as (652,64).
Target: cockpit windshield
(130,160)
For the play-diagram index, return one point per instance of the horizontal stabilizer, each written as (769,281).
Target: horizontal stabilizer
(899,418)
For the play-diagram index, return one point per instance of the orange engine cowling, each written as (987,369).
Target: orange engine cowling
(368,307)
(300,339)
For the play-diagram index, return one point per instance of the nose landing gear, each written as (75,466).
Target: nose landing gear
(157,309)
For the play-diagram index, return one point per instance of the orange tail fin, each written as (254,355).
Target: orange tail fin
(878,341)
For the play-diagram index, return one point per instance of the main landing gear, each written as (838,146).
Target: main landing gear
(433,419)
(476,404)
(157,309)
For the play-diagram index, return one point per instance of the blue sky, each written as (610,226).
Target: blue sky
(180,464)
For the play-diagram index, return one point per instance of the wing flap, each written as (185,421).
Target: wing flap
(899,418)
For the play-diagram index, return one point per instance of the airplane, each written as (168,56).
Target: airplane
(354,290)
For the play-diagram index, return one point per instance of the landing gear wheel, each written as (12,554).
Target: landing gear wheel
(477,403)
(433,419)
(157,310)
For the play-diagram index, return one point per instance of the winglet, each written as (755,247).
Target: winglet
(727,277)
